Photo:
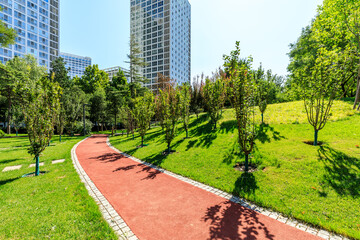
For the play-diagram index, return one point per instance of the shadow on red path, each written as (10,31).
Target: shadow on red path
(158,206)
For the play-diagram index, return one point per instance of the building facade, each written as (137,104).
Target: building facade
(162,28)
(114,70)
(77,64)
(37,26)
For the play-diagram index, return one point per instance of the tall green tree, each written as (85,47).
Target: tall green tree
(196,102)
(241,91)
(143,112)
(59,73)
(185,98)
(40,106)
(214,97)
(92,80)
(136,62)
(98,108)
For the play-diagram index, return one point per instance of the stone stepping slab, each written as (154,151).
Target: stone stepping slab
(33,165)
(58,161)
(11,168)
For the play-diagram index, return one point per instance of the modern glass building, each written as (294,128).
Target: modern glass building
(163,30)
(37,26)
(77,64)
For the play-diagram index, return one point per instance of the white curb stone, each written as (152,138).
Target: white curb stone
(12,168)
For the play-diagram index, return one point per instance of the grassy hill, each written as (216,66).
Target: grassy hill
(319,185)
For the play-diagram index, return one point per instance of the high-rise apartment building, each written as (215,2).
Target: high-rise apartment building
(77,64)
(37,26)
(162,28)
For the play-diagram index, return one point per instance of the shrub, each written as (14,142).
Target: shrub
(2,134)
(79,127)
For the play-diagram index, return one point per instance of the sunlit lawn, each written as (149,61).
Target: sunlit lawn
(55,205)
(319,185)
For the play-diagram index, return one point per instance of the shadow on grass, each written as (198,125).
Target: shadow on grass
(228,126)
(265,133)
(245,184)
(229,220)
(3,182)
(342,171)
(9,160)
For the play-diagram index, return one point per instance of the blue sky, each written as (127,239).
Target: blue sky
(101,29)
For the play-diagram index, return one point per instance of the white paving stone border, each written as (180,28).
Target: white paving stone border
(277,216)
(110,215)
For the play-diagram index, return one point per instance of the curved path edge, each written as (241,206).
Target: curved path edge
(275,215)
(110,215)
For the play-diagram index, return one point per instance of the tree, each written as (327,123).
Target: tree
(59,73)
(137,63)
(241,91)
(169,111)
(98,108)
(185,99)
(92,80)
(196,102)
(17,70)
(7,35)
(40,106)
(17,118)
(143,112)
(214,97)
(319,87)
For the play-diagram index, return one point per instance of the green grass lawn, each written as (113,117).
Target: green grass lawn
(55,205)
(318,185)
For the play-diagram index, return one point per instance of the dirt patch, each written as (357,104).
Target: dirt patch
(311,143)
(33,174)
(166,152)
(241,167)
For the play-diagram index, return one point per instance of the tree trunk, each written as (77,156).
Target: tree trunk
(262,118)
(115,123)
(9,115)
(169,150)
(142,141)
(357,97)
(16,132)
(246,162)
(37,166)
(187,133)
(316,137)
(60,138)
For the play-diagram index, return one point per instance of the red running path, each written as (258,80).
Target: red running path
(157,206)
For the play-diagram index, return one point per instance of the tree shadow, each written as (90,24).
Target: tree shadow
(229,220)
(202,118)
(245,184)
(109,157)
(3,182)
(266,133)
(204,141)
(152,173)
(342,171)
(9,160)
(228,126)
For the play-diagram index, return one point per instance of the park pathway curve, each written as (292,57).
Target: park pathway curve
(158,206)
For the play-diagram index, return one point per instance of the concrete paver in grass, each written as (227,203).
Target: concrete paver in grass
(58,161)
(33,165)
(11,168)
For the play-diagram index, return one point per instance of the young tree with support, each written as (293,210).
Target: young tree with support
(185,99)
(214,97)
(241,91)
(143,112)
(319,87)
(169,111)
(41,104)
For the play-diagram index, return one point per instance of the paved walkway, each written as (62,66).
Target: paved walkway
(158,206)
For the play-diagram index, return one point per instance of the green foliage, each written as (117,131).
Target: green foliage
(241,91)
(59,73)
(185,98)
(136,62)
(196,102)
(41,103)
(98,108)
(79,127)
(214,97)
(2,134)
(143,112)
(7,35)
(168,111)
(92,80)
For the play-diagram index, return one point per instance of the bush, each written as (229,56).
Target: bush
(2,134)
(79,127)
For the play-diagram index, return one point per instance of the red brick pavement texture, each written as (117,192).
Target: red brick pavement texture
(157,206)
